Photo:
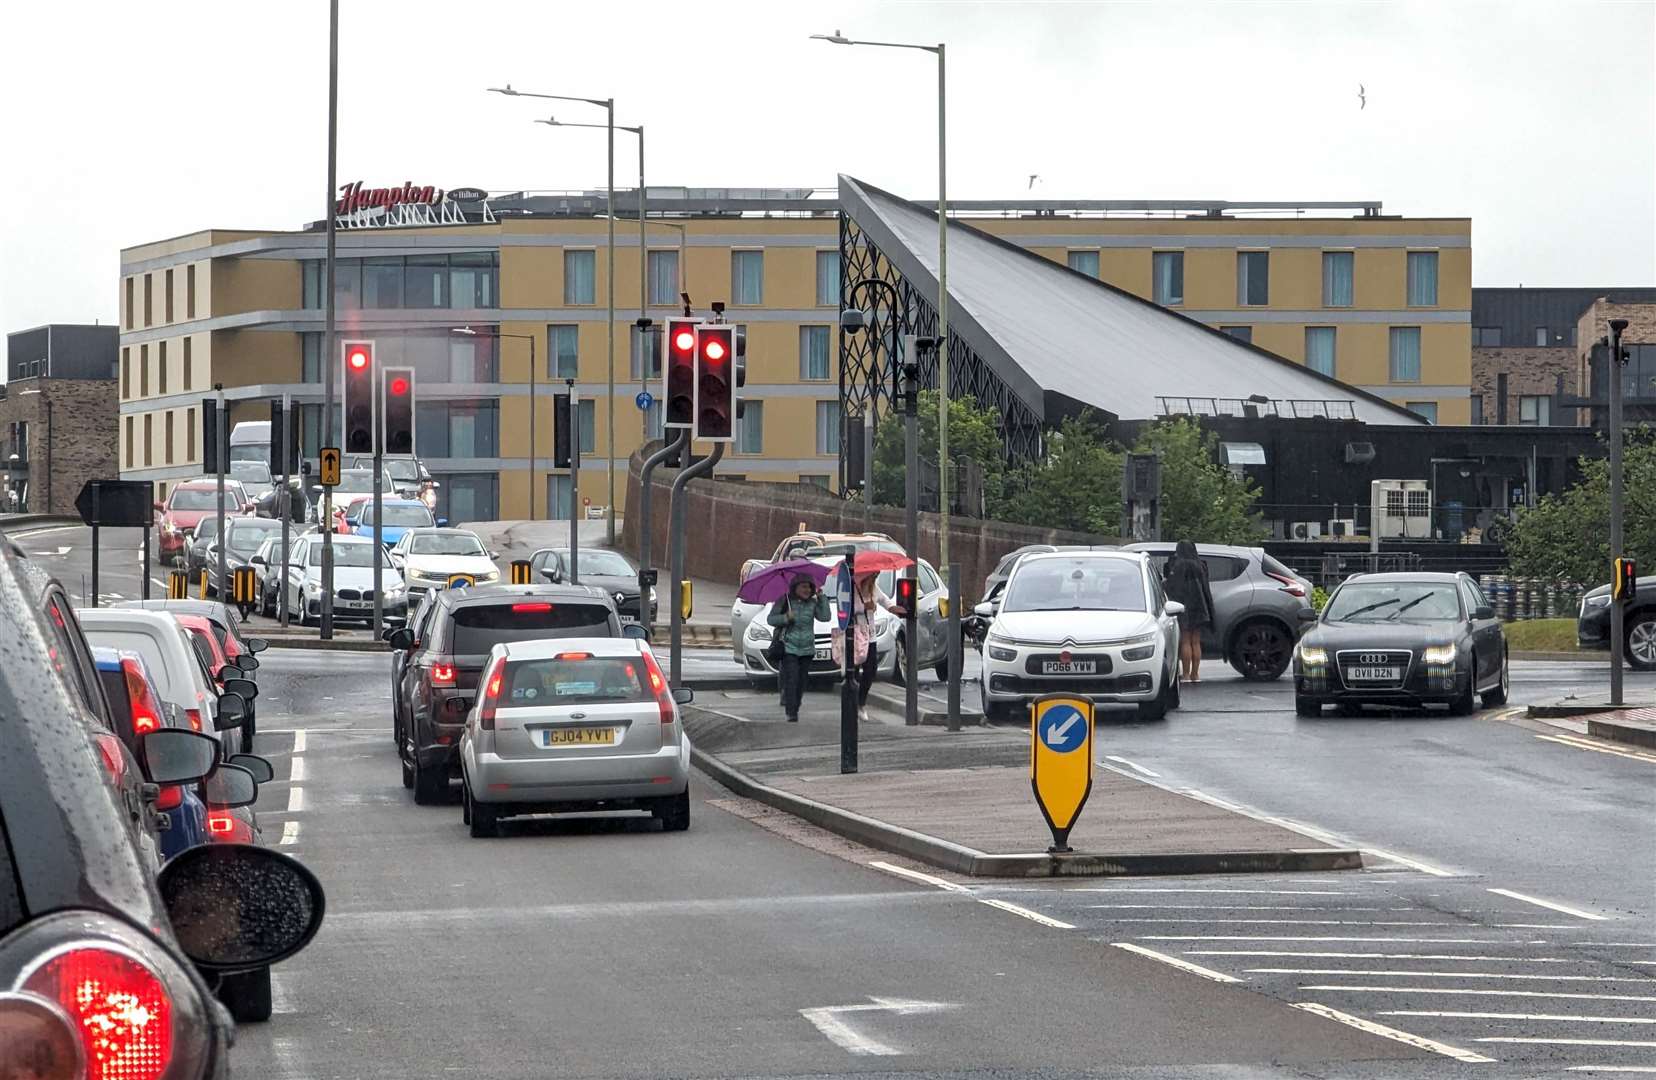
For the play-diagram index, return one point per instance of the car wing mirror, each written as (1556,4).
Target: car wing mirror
(494,554)
(232,710)
(253,763)
(260,559)
(400,638)
(636,631)
(1306,615)
(985,610)
(246,689)
(256,644)
(1174,608)
(442,522)
(684,695)
(247,662)
(231,786)
(235,907)
(176,755)
(1483,611)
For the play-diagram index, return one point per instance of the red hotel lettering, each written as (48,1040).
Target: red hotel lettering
(354,197)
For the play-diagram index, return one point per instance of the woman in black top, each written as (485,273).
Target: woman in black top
(1185,578)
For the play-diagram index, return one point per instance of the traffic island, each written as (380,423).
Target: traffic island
(962,802)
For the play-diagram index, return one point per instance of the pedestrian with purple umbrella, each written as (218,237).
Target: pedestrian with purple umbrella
(793,620)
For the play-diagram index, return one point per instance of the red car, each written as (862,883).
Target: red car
(187,504)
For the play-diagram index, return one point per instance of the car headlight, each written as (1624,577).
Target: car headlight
(1139,652)
(758,631)
(652,594)
(1312,656)
(1439,654)
(1142,639)
(1602,600)
(998,639)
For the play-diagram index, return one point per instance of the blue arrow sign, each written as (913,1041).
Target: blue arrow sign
(1063,729)
(644,400)
(842,586)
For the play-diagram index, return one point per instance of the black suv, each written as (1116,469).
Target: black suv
(444,653)
(1638,622)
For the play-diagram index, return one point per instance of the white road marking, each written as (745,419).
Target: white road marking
(915,875)
(296,800)
(1413,864)
(1561,1017)
(1269,937)
(1613,1068)
(1565,1042)
(1174,961)
(1176,889)
(297,770)
(1392,1033)
(1236,907)
(1205,797)
(1003,905)
(290,834)
(1294,922)
(280,1003)
(827,1020)
(1577,912)
(1482,993)
(299,741)
(1386,956)
(1032,916)
(1131,765)
(1448,975)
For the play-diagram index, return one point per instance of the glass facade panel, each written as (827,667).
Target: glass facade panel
(813,352)
(580,277)
(425,278)
(382,283)
(664,277)
(1337,278)
(563,345)
(827,279)
(467,497)
(557,496)
(1253,278)
(1319,349)
(1167,270)
(1404,359)
(747,277)
(750,429)
(827,427)
(1423,278)
(589,426)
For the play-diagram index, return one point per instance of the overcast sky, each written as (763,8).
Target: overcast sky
(125,123)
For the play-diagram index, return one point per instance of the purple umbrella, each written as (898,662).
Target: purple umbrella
(772,583)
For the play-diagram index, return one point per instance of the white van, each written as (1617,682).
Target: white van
(250,441)
(166,647)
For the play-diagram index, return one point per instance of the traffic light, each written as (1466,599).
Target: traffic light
(563,440)
(358,397)
(399,410)
(1624,584)
(715,382)
(906,593)
(678,373)
(215,450)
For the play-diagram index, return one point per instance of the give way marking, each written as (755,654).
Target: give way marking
(829,1019)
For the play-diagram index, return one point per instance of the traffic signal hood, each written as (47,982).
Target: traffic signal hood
(358,397)
(715,368)
(906,593)
(1624,584)
(399,410)
(679,373)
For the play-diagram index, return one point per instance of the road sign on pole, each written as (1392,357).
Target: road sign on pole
(1061,762)
(329,473)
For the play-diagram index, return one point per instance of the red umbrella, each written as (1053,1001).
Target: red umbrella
(877,562)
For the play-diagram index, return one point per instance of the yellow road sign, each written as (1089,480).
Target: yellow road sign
(330,467)
(460,581)
(520,572)
(1061,761)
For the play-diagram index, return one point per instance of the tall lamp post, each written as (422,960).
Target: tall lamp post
(837,38)
(608,105)
(469,332)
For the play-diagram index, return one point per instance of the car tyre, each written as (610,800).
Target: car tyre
(247,995)
(484,819)
(674,812)
(942,670)
(1261,650)
(1304,706)
(407,770)
(1465,703)
(1641,641)
(899,667)
(1498,696)
(1165,700)
(430,785)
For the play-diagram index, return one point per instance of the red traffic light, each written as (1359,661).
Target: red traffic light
(357,358)
(905,593)
(684,340)
(714,349)
(399,386)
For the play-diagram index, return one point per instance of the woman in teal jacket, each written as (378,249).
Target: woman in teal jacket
(794,621)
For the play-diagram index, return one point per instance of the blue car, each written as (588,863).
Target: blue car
(397,515)
(135,705)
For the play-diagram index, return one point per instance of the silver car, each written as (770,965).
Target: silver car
(571,725)
(353,580)
(1257,603)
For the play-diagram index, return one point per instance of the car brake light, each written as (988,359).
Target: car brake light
(663,696)
(146,711)
(442,674)
(220,822)
(109,749)
(171,797)
(573,656)
(531,607)
(1289,585)
(120,1009)
(491,694)
(194,716)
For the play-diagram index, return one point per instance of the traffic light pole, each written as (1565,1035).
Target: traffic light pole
(328,376)
(675,550)
(1612,371)
(222,452)
(646,539)
(911,540)
(574,484)
(379,529)
(284,502)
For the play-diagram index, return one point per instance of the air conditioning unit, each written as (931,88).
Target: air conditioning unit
(1401,509)
(1305,530)
(1359,453)
(1342,528)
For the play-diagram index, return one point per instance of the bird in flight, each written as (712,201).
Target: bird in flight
(1362,98)
(1032,178)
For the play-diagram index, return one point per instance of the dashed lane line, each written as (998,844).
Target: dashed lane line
(1032,916)
(1612,1068)
(1577,912)
(1391,956)
(1437,990)
(1564,1018)
(1174,961)
(1395,1034)
(297,770)
(1538,1041)
(299,741)
(1131,765)
(1446,975)
(296,800)
(290,834)
(989,901)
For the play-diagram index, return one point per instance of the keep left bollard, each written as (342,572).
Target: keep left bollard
(178,585)
(520,572)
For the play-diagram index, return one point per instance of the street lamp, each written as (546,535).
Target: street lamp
(608,105)
(837,38)
(469,332)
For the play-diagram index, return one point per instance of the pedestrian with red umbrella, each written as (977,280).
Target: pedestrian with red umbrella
(866,598)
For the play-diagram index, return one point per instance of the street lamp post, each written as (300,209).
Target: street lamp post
(608,105)
(530,338)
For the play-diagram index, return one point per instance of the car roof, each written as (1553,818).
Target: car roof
(1157,547)
(545,648)
(1084,553)
(1403,576)
(439,530)
(400,501)
(127,618)
(499,594)
(205,482)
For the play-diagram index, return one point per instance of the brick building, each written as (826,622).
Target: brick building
(58,415)
(1638,375)
(1530,350)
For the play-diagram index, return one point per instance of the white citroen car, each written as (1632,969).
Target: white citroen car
(1092,623)
(428,558)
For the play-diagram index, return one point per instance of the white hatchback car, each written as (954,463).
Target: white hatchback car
(570,725)
(1092,623)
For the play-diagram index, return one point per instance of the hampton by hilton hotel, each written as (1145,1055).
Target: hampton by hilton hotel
(1381,302)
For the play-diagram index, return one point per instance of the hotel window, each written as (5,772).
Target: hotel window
(1404,354)
(580,277)
(558,496)
(1167,270)
(128,311)
(472,280)
(1240,333)
(149,437)
(1253,278)
(148,284)
(642,345)
(460,429)
(1319,349)
(348,284)
(1541,336)
(828,279)
(189,291)
(813,353)
(815,480)
(1338,269)
(664,277)
(129,460)
(564,346)
(1426,410)
(1084,262)
(424,278)
(747,277)
(161,368)
(143,371)
(169,304)
(827,427)
(467,497)
(589,426)
(382,283)
(1486,336)
(168,443)
(126,373)
(1423,279)
(1535,410)
(750,428)
(189,435)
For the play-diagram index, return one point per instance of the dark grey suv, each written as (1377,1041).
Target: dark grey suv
(1257,603)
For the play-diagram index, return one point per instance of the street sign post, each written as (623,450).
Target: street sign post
(120,504)
(329,473)
(1061,762)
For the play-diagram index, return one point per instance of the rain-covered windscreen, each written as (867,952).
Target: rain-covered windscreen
(355,481)
(1394,601)
(350,554)
(253,472)
(448,544)
(411,517)
(479,627)
(1076,585)
(403,469)
(201,499)
(574,678)
(601,563)
(246,534)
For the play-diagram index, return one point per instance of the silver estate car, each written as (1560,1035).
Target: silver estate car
(573,725)
(1257,603)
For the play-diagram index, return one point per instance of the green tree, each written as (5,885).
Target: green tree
(1200,499)
(1567,537)
(974,433)
(1077,485)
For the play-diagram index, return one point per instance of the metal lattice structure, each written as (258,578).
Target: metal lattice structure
(866,379)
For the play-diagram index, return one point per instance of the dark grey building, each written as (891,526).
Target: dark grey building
(1539,318)
(63,351)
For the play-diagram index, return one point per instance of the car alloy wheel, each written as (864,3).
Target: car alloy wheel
(1262,651)
(1641,642)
